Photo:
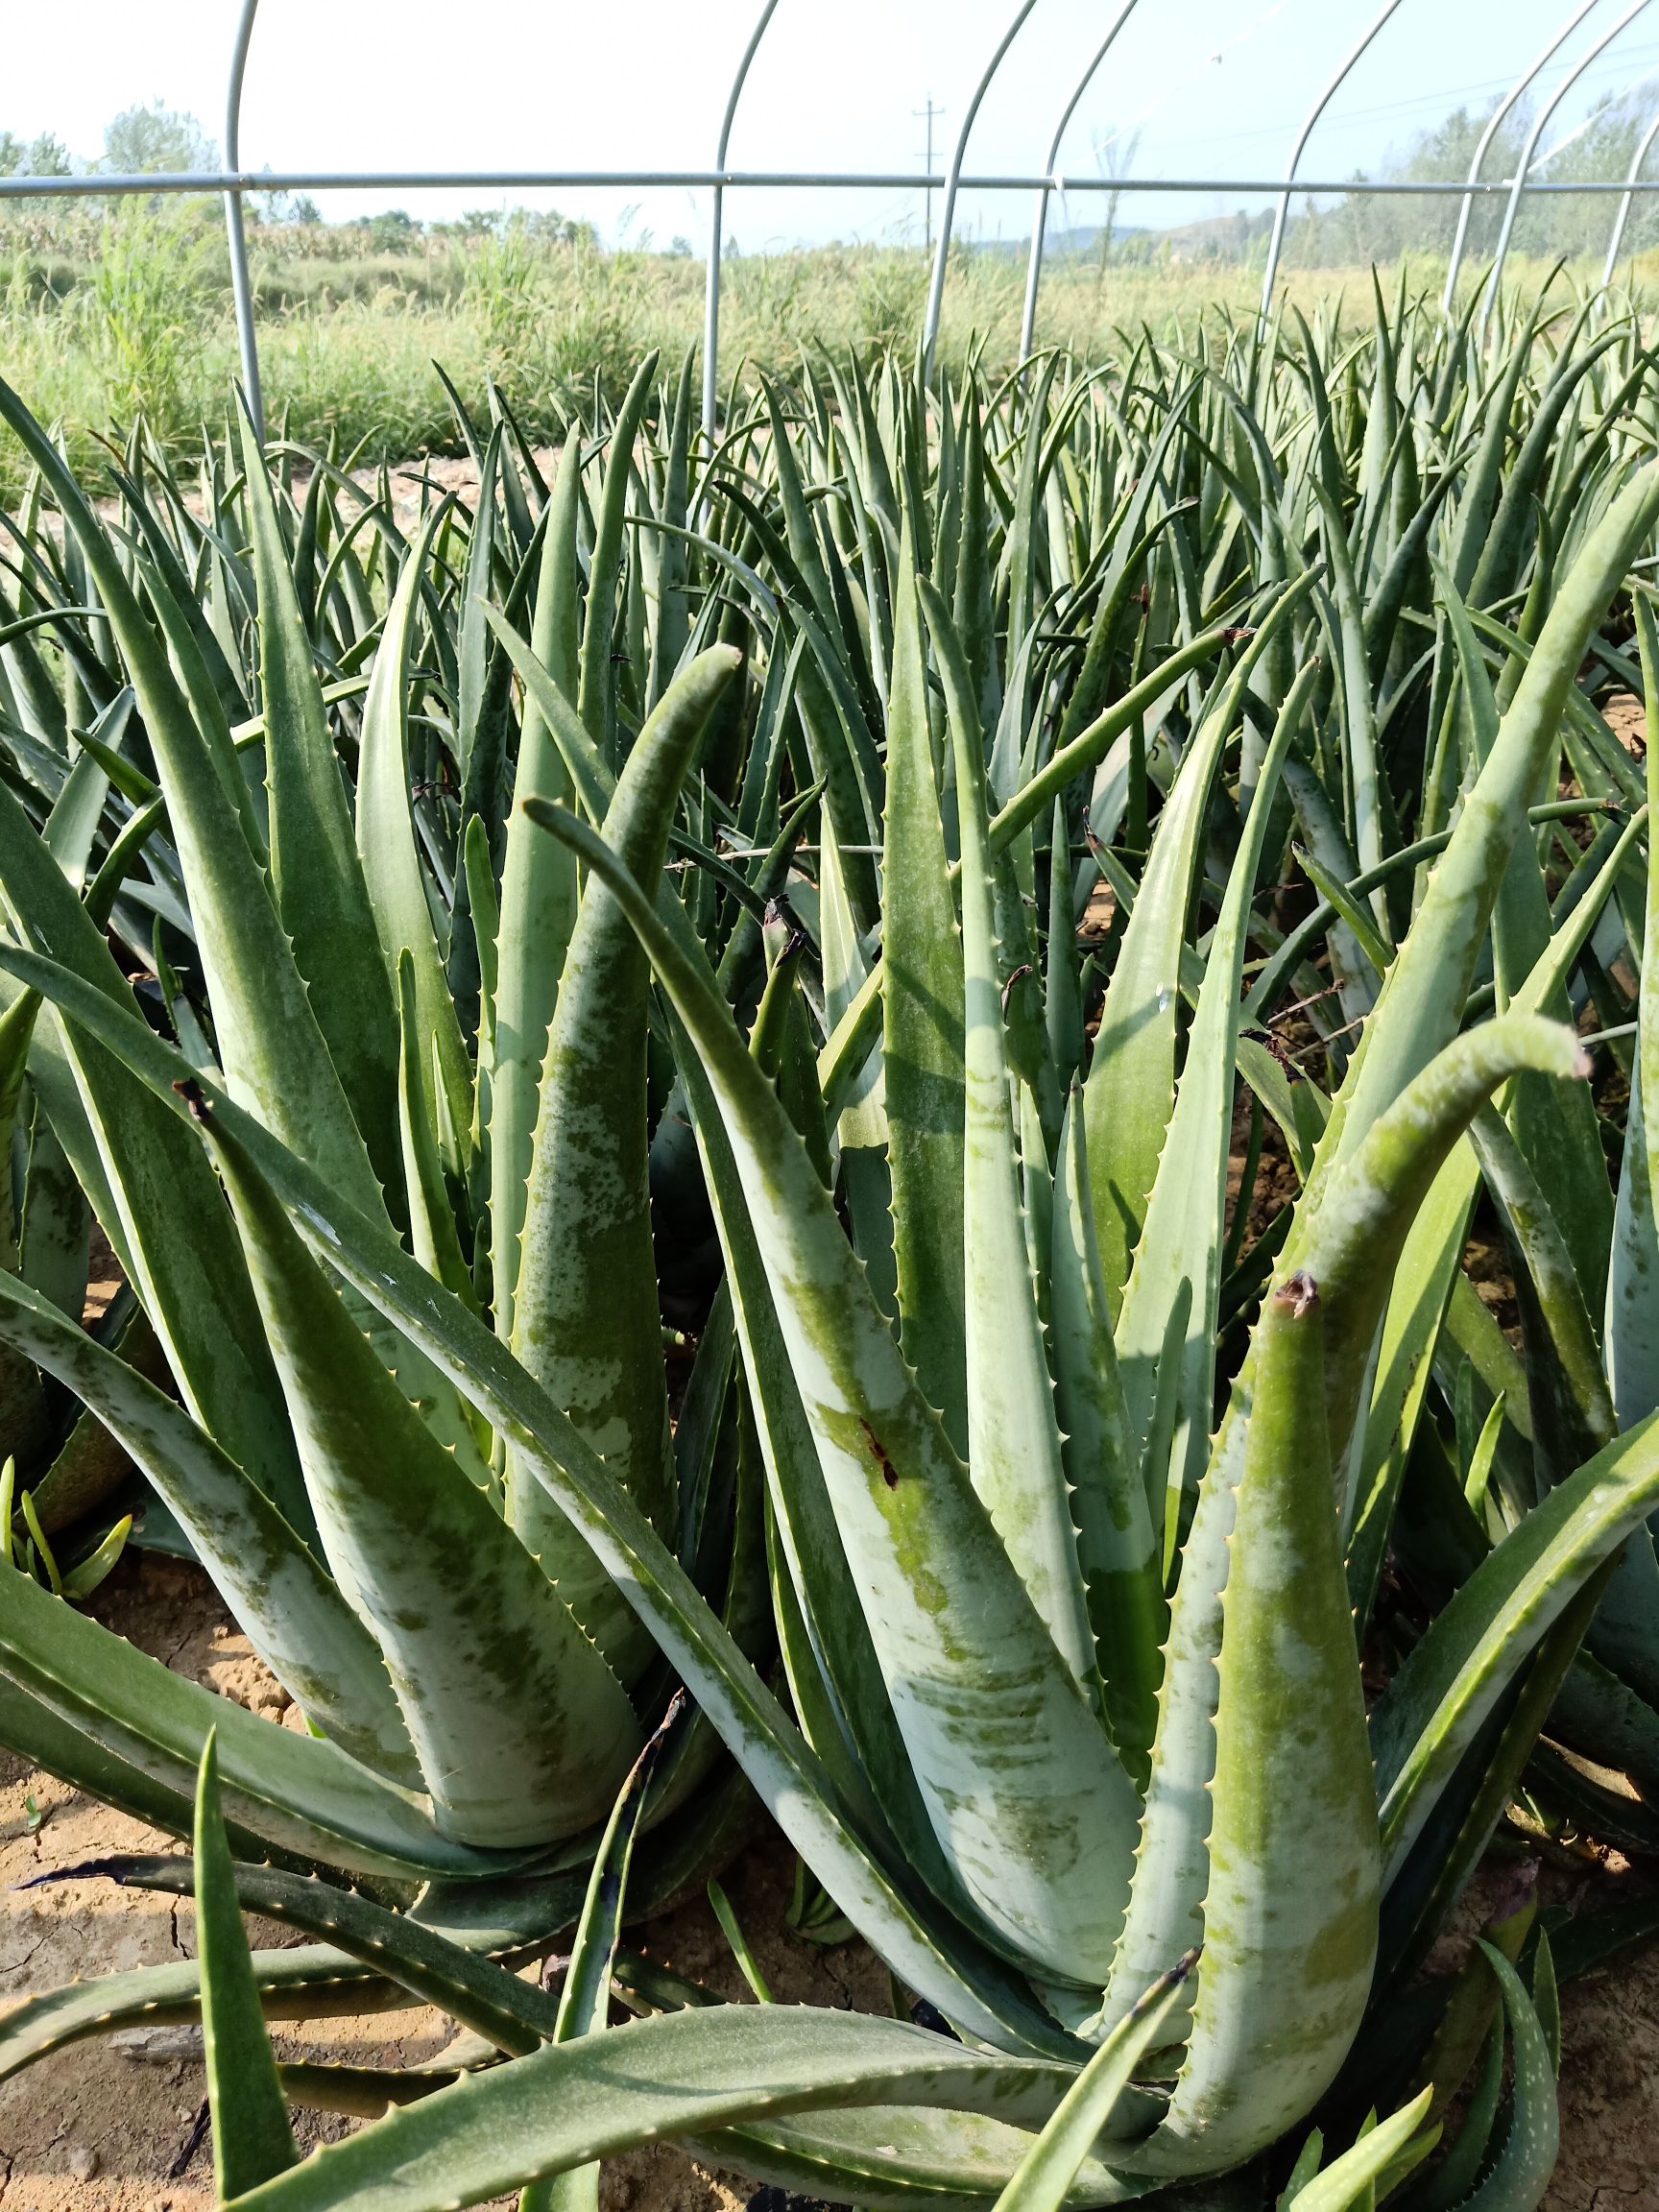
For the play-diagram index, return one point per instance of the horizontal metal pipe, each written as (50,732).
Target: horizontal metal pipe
(736,180)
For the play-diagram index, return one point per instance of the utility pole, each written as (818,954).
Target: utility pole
(931,113)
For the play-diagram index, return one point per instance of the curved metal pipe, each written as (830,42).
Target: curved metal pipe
(241,287)
(1512,205)
(1280,213)
(716,221)
(1623,215)
(1500,114)
(1040,222)
(953,178)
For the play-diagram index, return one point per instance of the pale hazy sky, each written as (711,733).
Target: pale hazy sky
(1214,87)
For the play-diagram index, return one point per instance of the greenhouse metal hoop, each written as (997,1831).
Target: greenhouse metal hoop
(233,182)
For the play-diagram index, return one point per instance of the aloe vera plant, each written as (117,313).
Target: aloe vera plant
(1065,1538)
(460,1645)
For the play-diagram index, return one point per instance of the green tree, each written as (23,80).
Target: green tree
(41,157)
(156,140)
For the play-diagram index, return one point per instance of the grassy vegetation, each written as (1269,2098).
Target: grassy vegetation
(104,317)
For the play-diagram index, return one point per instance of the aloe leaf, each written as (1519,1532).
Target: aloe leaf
(860,1127)
(923,1027)
(521,1730)
(980,1995)
(305,1983)
(433,1234)
(386,841)
(160,1205)
(315,872)
(1289,1912)
(306,1796)
(539,894)
(684,2072)
(895,2157)
(1118,1546)
(1014,1452)
(1347,2184)
(1184,1229)
(1089,2105)
(595,698)
(1527,2158)
(252,2138)
(803,1526)
(293,1615)
(45,1738)
(586,1320)
(1265,1529)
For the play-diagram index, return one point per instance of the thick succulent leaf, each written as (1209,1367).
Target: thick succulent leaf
(37,1732)
(161,1211)
(315,873)
(293,1615)
(1186,1224)
(514,2016)
(966,1985)
(1289,1911)
(1348,2183)
(252,2138)
(308,1982)
(1261,1612)
(521,1730)
(921,1018)
(894,2158)
(538,891)
(860,1128)
(1091,2105)
(586,1320)
(1027,1796)
(306,1796)
(386,845)
(1118,1547)
(1526,2162)
(432,1231)
(596,693)
(681,2073)
(1013,1438)
(802,1523)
